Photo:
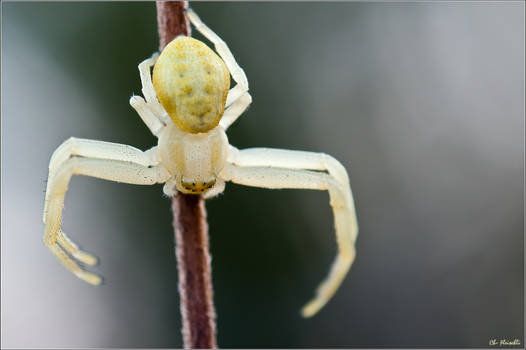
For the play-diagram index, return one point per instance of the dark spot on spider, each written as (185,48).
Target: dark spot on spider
(181,75)
(208,72)
(193,183)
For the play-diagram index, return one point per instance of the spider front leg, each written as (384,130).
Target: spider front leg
(270,168)
(99,159)
(288,159)
(99,149)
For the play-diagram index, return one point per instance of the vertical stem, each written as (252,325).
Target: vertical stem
(171,21)
(191,229)
(193,264)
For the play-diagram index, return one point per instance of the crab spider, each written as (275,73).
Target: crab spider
(188,105)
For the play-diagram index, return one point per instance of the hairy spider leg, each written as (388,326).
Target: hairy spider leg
(105,160)
(273,168)
(96,149)
(290,159)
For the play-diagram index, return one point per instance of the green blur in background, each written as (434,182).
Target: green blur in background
(422,103)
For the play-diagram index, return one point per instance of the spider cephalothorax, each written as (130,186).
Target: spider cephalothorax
(195,160)
(189,106)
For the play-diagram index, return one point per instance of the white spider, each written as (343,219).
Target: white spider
(189,106)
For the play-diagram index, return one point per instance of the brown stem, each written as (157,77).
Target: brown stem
(171,21)
(191,229)
(193,263)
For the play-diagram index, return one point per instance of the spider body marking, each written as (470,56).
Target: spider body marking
(188,105)
(192,84)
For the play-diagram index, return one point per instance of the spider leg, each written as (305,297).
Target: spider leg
(234,94)
(285,169)
(221,47)
(104,160)
(288,159)
(235,110)
(99,149)
(152,122)
(70,247)
(149,92)
(170,188)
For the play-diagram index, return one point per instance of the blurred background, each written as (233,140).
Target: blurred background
(423,104)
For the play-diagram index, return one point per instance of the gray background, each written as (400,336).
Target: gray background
(423,104)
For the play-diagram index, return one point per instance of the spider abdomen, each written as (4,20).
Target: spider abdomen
(192,84)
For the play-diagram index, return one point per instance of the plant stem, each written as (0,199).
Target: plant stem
(191,229)
(193,263)
(171,21)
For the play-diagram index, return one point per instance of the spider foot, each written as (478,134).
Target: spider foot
(61,253)
(312,307)
(89,277)
(329,286)
(85,258)
(75,251)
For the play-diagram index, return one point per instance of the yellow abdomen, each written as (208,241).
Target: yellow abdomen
(192,84)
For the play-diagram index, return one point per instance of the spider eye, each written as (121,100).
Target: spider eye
(192,84)
(198,186)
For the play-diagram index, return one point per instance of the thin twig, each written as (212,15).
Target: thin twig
(193,264)
(191,229)
(171,21)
